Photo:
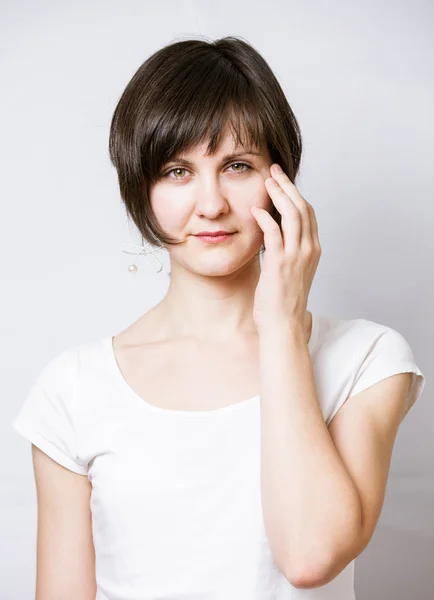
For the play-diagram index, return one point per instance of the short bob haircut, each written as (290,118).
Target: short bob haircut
(186,94)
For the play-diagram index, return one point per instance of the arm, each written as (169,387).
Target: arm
(311,507)
(65,562)
(323,488)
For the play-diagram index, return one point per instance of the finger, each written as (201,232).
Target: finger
(297,199)
(272,235)
(290,216)
(314,227)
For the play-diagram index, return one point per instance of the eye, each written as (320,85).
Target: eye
(238,164)
(175,169)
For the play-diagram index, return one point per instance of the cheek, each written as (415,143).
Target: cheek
(261,199)
(253,192)
(170,212)
(173,214)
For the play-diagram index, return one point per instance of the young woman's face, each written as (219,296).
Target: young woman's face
(197,193)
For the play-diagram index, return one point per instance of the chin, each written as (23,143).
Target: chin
(213,267)
(216,269)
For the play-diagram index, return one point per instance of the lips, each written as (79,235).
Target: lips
(214,233)
(214,237)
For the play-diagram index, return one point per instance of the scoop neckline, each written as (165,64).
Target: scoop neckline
(122,384)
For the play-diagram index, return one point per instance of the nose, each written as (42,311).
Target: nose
(211,198)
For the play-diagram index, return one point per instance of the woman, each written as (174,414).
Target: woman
(199,453)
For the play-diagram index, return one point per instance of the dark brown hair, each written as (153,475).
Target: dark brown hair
(185,94)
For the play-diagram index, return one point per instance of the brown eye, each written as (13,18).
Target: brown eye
(179,170)
(239,164)
(176,170)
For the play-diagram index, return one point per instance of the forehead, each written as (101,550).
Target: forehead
(228,146)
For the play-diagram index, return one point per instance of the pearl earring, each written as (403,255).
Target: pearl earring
(142,250)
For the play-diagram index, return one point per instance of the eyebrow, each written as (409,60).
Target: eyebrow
(225,158)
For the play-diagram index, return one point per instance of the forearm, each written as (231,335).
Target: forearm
(311,507)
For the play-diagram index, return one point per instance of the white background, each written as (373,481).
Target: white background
(359,78)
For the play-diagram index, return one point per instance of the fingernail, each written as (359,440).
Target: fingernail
(277,168)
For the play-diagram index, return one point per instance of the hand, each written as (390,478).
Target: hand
(291,255)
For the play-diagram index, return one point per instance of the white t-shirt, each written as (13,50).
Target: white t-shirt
(176,503)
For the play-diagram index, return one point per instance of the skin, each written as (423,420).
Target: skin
(331,481)
(212,287)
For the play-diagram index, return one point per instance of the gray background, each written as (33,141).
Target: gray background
(359,78)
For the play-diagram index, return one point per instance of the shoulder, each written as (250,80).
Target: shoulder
(358,336)
(51,415)
(354,354)
(365,347)
(382,351)
(66,367)
(370,339)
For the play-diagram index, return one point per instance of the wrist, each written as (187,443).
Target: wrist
(282,328)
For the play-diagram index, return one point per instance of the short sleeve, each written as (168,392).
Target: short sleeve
(389,354)
(47,417)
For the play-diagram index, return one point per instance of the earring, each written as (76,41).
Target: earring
(142,250)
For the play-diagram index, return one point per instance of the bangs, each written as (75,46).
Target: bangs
(194,103)
(193,93)
(208,124)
